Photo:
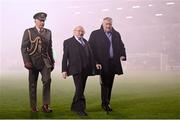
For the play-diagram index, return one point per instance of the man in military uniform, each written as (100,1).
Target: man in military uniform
(37,55)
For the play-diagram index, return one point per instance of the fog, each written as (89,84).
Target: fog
(150,29)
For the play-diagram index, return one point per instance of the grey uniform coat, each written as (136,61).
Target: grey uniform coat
(38,58)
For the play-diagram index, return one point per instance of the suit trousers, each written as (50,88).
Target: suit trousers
(79,101)
(106,82)
(46,80)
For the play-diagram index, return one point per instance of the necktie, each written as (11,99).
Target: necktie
(82,42)
(109,35)
(41,30)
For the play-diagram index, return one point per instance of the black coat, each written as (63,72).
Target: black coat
(99,44)
(72,62)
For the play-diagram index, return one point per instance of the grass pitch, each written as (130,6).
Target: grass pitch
(135,95)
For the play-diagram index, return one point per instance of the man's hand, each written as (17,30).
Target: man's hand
(123,58)
(64,75)
(98,66)
(28,65)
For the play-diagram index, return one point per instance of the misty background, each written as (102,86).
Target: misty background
(150,29)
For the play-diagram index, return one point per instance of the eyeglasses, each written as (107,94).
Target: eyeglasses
(79,30)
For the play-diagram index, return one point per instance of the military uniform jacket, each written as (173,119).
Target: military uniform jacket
(37,48)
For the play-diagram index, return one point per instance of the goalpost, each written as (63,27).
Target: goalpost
(147,61)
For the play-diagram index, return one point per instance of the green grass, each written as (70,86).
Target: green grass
(135,95)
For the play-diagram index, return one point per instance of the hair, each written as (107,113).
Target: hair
(79,26)
(107,18)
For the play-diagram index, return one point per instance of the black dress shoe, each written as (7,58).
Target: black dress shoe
(82,113)
(46,109)
(34,109)
(107,108)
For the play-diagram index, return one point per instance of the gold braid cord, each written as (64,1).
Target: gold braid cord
(35,41)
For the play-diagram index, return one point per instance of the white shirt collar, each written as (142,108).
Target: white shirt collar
(76,38)
(79,40)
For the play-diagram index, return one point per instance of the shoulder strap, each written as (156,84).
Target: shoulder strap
(36,40)
(30,38)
